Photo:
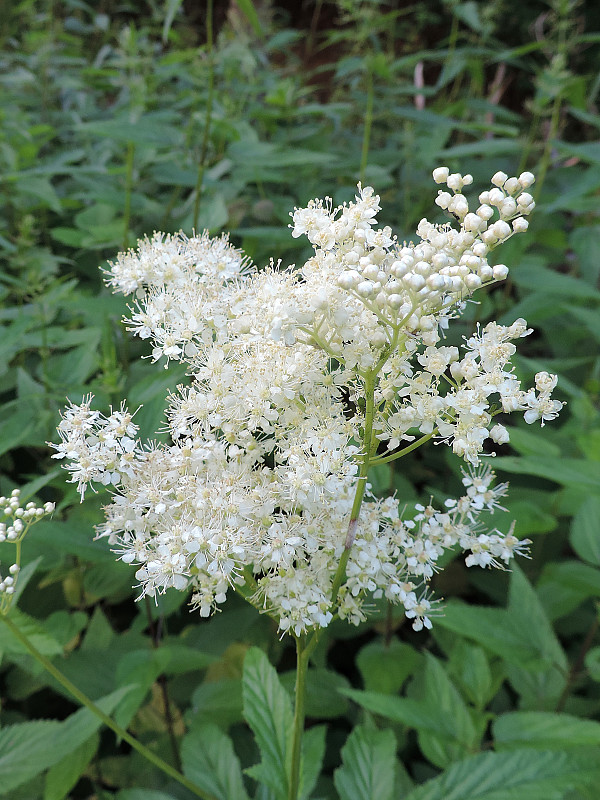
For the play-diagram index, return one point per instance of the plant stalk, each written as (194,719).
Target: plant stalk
(367,446)
(302,654)
(110,723)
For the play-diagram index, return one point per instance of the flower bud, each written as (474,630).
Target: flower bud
(440,174)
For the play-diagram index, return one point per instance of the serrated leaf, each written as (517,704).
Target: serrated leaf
(443,722)
(471,667)
(541,688)
(28,748)
(512,776)
(368,770)
(585,531)
(384,667)
(33,630)
(412,713)
(313,751)
(492,629)
(63,776)
(544,730)
(209,761)
(268,711)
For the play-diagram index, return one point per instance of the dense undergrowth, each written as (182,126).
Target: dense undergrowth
(119,118)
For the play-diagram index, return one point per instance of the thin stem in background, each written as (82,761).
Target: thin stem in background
(128,191)
(578,664)
(155,636)
(364,157)
(110,723)
(208,116)
(314,22)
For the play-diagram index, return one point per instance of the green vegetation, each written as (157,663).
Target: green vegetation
(119,118)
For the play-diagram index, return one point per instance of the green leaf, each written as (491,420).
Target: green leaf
(519,775)
(564,470)
(313,751)
(585,531)
(590,319)
(63,776)
(33,630)
(413,713)
(171,8)
(219,700)
(541,688)
(323,699)
(564,586)
(456,735)
(385,667)
(29,748)
(548,281)
(470,666)
(592,663)
(143,794)
(492,629)
(368,770)
(209,761)
(544,730)
(268,711)
(248,10)
(443,722)
(585,243)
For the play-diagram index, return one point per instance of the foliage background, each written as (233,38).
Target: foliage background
(118,118)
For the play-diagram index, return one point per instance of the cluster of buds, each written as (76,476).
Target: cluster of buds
(20,519)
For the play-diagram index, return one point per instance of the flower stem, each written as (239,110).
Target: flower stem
(405,450)
(85,701)
(367,447)
(302,654)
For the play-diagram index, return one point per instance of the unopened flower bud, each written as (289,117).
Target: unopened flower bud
(526,179)
(440,174)
(520,225)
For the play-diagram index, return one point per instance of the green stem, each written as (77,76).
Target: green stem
(208,116)
(547,154)
(299,714)
(128,192)
(368,124)
(403,452)
(85,701)
(367,446)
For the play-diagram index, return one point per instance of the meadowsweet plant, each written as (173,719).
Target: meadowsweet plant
(300,381)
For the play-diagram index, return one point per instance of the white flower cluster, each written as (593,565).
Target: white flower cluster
(101,449)
(20,519)
(297,378)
